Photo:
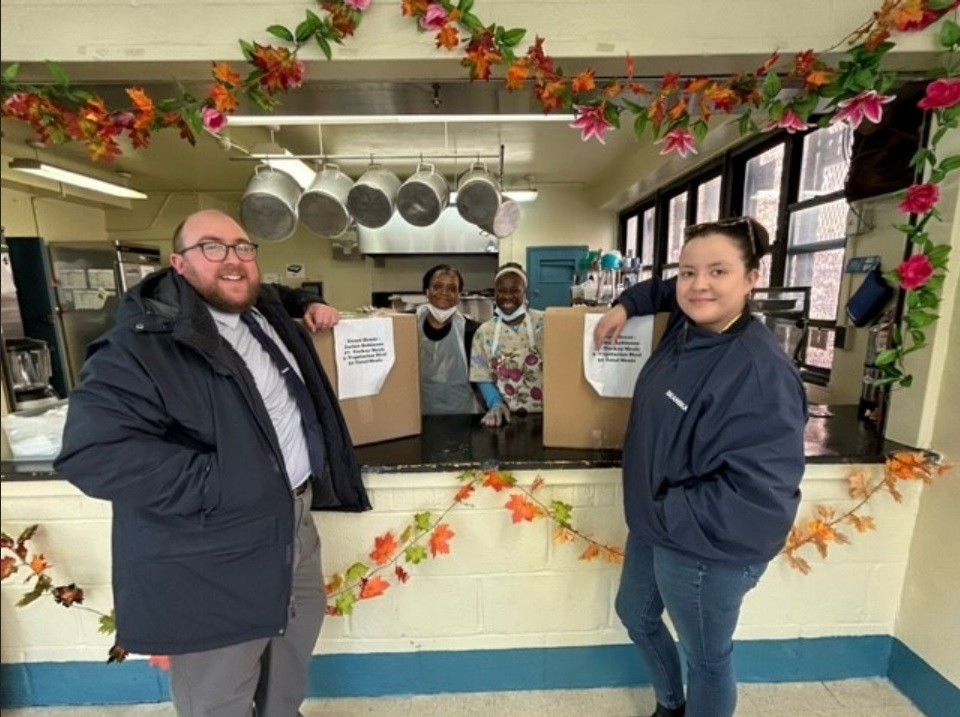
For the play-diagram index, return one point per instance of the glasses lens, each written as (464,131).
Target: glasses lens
(214,251)
(246,251)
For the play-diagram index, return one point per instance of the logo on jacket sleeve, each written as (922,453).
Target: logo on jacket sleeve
(676,399)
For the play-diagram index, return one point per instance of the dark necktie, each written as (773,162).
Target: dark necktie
(312,431)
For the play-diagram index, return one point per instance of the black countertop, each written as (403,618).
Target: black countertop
(457,443)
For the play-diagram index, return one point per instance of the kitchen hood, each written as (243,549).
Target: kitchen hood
(450,234)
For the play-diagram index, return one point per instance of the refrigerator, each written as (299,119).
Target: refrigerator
(68,293)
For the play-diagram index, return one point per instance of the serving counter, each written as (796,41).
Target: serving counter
(458,443)
(508,607)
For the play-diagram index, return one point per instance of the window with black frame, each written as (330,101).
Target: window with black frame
(793,184)
(816,238)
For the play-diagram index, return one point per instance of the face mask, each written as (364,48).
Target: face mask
(521,310)
(441,315)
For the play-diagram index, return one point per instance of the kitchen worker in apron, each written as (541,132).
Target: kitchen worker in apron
(445,339)
(506,360)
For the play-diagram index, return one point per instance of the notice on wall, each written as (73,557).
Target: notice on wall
(613,369)
(102,279)
(365,354)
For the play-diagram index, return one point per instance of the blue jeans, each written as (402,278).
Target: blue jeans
(703,601)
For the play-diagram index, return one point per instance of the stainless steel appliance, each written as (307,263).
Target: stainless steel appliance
(134,264)
(29,369)
(67,294)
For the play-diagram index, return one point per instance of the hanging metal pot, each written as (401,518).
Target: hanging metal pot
(506,220)
(268,208)
(373,197)
(423,197)
(478,195)
(323,205)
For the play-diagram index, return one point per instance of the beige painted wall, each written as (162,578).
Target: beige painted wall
(929,621)
(660,33)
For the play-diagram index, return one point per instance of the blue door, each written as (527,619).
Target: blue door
(551,270)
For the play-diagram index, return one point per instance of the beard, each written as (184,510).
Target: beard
(223,298)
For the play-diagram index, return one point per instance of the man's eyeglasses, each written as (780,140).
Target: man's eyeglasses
(695,230)
(217,252)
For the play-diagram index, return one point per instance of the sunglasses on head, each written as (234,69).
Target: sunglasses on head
(705,227)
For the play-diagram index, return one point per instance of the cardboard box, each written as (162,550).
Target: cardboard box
(574,414)
(395,411)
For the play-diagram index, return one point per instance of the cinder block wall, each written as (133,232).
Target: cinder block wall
(502,586)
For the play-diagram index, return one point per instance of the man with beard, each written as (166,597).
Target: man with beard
(204,416)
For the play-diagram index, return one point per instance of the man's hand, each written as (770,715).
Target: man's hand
(318,317)
(610,326)
(497,416)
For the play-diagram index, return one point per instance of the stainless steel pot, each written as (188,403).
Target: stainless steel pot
(268,208)
(323,205)
(373,197)
(478,195)
(506,220)
(423,197)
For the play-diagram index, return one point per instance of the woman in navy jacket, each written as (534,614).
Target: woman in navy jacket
(712,464)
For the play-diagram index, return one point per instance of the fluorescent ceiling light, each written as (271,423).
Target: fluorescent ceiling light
(521,195)
(65,176)
(312,120)
(283,159)
(517,195)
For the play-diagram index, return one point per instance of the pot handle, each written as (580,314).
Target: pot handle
(330,165)
(426,165)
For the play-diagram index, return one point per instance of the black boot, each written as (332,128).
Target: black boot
(669,711)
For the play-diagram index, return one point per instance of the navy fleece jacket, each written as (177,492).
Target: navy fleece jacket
(714,454)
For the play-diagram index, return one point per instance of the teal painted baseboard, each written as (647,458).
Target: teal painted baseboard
(400,673)
(934,694)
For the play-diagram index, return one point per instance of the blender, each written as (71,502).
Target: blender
(28,362)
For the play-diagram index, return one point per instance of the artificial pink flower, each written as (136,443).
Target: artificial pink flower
(434,19)
(680,141)
(790,121)
(213,119)
(867,105)
(921,198)
(591,122)
(941,94)
(360,5)
(915,272)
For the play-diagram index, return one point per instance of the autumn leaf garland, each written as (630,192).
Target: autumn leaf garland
(428,536)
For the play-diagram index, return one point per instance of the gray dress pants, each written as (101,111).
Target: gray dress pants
(267,677)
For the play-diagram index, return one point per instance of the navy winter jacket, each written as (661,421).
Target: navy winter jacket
(167,424)
(713,455)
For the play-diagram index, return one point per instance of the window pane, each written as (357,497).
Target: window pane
(826,157)
(820,347)
(631,243)
(761,185)
(827,222)
(678,221)
(646,258)
(646,274)
(708,201)
(821,271)
(764,279)
(669,271)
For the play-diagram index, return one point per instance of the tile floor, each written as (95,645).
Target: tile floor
(846,698)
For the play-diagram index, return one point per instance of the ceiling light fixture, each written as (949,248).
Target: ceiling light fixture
(518,195)
(65,176)
(277,157)
(294,120)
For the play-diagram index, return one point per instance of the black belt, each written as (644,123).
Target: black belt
(302,488)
